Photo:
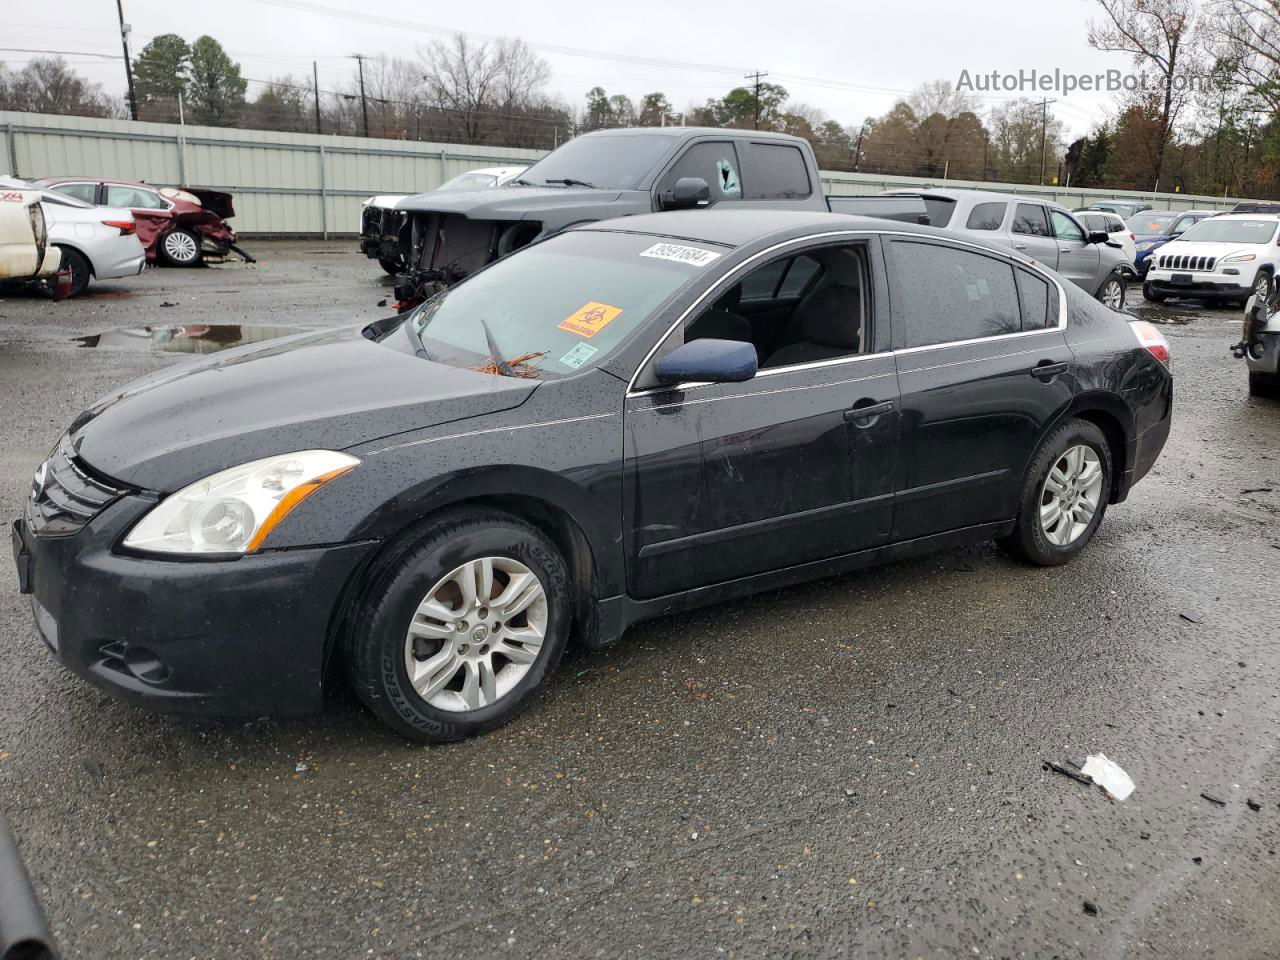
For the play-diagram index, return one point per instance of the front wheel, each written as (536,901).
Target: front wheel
(1064,495)
(1111,293)
(461,627)
(1149,293)
(180,248)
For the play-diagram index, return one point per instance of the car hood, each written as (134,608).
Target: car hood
(1216,250)
(387,200)
(327,391)
(508,203)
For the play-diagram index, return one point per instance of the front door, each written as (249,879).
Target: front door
(1077,258)
(728,480)
(984,368)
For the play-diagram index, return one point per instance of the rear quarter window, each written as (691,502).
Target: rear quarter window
(775,171)
(986,216)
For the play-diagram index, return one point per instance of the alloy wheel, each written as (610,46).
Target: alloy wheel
(476,634)
(180,246)
(1262,286)
(1112,295)
(1071,495)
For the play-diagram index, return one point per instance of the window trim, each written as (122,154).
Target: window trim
(680,155)
(741,269)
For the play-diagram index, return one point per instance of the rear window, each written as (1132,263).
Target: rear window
(986,216)
(1151,223)
(775,171)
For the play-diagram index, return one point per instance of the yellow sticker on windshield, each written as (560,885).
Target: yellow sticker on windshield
(590,319)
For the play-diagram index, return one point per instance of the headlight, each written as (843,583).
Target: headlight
(234,511)
(1239,258)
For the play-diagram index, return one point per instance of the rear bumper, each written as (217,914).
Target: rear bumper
(228,637)
(130,263)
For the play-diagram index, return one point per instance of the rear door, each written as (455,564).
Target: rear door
(983,367)
(1078,260)
(1030,234)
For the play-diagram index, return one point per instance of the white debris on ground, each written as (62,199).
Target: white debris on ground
(1108,775)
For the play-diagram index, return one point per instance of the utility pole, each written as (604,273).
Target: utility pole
(756,78)
(1044,129)
(364,103)
(986,144)
(857,150)
(315,88)
(128,64)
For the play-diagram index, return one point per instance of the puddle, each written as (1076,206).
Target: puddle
(188,338)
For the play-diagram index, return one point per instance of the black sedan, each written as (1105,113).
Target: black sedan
(628,419)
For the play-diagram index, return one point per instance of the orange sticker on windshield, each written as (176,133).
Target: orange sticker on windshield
(590,319)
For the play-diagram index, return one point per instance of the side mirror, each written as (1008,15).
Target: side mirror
(708,361)
(1098,236)
(688,192)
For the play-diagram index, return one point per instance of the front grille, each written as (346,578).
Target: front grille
(1186,262)
(64,496)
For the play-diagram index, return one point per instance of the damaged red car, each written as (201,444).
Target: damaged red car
(177,226)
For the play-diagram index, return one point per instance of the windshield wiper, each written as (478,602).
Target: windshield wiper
(571,182)
(415,338)
(523,182)
(520,367)
(504,368)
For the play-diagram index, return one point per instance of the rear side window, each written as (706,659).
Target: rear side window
(776,171)
(986,216)
(802,271)
(124,196)
(716,163)
(1034,295)
(759,284)
(81,191)
(1029,219)
(968,296)
(1114,225)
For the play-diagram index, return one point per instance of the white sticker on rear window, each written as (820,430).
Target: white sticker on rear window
(678,253)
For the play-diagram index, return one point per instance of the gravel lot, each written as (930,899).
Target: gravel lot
(851,767)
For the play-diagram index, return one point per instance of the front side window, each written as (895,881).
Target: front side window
(1029,220)
(81,191)
(560,306)
(967,295)
(1064,228)
(986,216)
(776,171)
(716,163)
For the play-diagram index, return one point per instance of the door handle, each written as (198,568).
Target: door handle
(865,410)
(1046,370)
(1065,249)
(1019,246)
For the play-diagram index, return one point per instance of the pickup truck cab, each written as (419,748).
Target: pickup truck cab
(446,237)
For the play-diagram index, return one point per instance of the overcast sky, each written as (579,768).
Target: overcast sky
(852,59)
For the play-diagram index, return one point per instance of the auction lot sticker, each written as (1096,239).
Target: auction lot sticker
(679,253)
(579,355)
(590,319)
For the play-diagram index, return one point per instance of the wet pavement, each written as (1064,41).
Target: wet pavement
(852,767)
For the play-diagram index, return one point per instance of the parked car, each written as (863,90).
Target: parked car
(627,419)
(99,242)
(1042,229)
(1260,345)
(1152,229)
(1126,208)
(177,226)
(380,223)
(24,237)
(1228,257)
(1110,223)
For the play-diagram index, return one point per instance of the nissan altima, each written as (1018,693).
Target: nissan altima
(627,419)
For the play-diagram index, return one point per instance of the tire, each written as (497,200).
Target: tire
(1029,539)
(81,270)
(390,266)
(180,247)
(1266,385)
(1148,293)
(1112,289)
(1261,286)
(379,646)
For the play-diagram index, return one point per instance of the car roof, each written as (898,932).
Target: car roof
(1248,216)
(122,183)
(734,228)
(978,196)
(686,132)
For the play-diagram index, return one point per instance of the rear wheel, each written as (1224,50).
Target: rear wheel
(1149,293)
(1111,293)
(463,624)
(1264,385)
(81,271)
(1064,495)
(180,248)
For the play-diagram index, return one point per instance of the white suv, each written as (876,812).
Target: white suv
(1229,257)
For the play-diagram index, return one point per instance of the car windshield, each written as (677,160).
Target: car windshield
(617,163)
(559,306)
(1219,230)
(1149,223)
(469,181)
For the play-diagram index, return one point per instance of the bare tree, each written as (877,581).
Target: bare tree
(482,84)
(940,97)
(1158,34)
(48,85)
(1246,35)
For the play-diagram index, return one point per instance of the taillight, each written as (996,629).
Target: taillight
(127,228)
(1133,238)
(1152,339)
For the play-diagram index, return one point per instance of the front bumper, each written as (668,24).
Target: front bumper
(225,637)
(1176,283)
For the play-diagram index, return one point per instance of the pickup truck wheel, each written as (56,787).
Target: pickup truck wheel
(1264,385)
(1111,293)
(81,271)
(181,248)
(1149,293)
(390,266)
(460,627)
(1064,495)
